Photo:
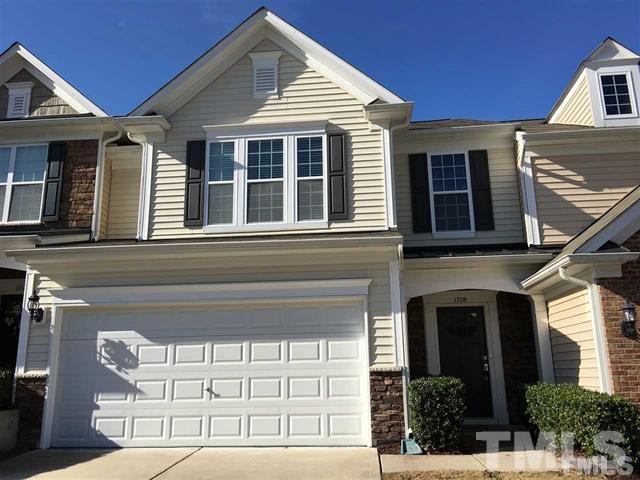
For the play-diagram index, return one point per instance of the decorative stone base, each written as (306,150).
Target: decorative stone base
(30,391)
(387,406)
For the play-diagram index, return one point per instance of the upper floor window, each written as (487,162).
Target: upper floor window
(265,73)
(19,99)
(266,182)
(616,94)
(22,173)
(451,193)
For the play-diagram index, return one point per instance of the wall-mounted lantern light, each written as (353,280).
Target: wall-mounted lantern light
(36,313)
(628,322)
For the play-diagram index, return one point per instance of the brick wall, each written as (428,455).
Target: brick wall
(30,391)
(78,185)
(518,350)
(417,348)
(387,407)
(624,353)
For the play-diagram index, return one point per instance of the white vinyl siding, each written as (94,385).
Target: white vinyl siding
(573,191)
(504,186)
(304,95)
(576,108)
(183,271)
(572,340)
(123,203)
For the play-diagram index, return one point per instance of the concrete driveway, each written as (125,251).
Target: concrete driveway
(194,464)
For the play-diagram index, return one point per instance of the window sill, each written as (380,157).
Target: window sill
(17,224)
(266,227)
(445,235)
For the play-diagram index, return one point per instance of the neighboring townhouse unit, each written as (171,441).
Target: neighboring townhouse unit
(274,250)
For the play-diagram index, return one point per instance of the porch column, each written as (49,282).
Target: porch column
(543,338)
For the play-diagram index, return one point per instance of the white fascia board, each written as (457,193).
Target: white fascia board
(620,229)
(331,61)
(159,294)
(477,261)
(563,136)
(53,81)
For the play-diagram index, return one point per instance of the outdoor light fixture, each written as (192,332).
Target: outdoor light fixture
(35,312)
(628,323)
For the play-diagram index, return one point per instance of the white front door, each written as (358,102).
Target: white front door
(260,374)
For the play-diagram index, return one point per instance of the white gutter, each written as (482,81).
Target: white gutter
(97,198)
(598,328)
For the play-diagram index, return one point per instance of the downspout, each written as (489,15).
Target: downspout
(97,198)
(390,191)
(598,332)
(145,182)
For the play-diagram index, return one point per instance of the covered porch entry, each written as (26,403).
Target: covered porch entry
(468,318)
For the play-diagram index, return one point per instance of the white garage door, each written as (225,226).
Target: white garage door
(257,375)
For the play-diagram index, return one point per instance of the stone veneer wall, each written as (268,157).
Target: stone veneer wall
(624,353)
(518,350)
(30,391)
(387,406)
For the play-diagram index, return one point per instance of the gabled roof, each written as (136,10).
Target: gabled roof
(231,48)
(10,65)
(609,49)
(613,227)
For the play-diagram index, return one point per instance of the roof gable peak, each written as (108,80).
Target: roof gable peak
(17,57)
(611,49)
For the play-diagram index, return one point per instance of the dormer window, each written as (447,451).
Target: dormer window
(616,94)
(265,73)
(19,99)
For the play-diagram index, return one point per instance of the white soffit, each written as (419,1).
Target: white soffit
(262,25)
(54,82)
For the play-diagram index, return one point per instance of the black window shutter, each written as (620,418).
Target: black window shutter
(53,181)
(337,177)
(420,198)
(481,188)
(194,184)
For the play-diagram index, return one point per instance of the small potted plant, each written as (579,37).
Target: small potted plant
(8,413)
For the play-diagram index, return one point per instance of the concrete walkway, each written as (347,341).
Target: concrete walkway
(194,464)
(531,461)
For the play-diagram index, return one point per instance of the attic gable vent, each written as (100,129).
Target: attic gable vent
(265,73)
(19,99)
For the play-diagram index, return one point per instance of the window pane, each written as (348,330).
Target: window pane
(30,164)
(452,212)
(25,203)
(220,204)
(607,80)
(448,172)
(265,159)
(5,157)
(310,200)
(264,202)
(3,190)
(221,161)
(309,154)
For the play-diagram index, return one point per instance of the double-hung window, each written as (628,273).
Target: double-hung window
(22,173)
(616,94)
(451,205)
(263,182)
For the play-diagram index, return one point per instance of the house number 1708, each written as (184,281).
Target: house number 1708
(460,299)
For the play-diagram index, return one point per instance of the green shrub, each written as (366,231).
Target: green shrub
(6,386)
(437,405)
(565,408)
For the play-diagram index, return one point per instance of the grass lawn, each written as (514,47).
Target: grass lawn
(496,476)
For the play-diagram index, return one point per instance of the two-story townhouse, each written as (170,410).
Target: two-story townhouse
(277,250)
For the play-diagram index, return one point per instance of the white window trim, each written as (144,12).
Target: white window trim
(9,183)
(18,89)
(269,60)
(471,233)
(627,74)
(289,179)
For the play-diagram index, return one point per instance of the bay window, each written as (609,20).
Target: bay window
(22,173)
(257,182)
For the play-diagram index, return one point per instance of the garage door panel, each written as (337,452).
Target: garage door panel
(255,376)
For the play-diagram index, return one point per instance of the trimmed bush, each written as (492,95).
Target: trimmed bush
(437,405)
(566,408)
(6,386)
